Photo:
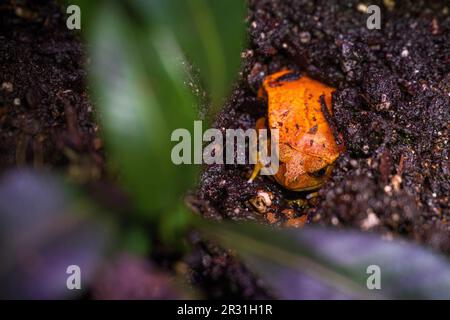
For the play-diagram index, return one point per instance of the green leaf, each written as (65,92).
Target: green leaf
(316,263)
(211,33)
(138,79)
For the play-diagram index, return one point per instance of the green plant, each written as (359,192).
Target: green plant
(140,51)
(141,56)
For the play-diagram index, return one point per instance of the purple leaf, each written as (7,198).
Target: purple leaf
(314,263)
(44,230)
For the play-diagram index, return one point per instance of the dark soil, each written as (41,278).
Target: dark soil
(392,105)
(45,115)
(48,122)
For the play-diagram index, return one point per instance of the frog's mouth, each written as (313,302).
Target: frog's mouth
(321,176)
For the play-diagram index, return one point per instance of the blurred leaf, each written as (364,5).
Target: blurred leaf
(138,78)
(44,229)
(136,241)
(171,230)
(330,264)
(127,277)
(211,33)
(88,8)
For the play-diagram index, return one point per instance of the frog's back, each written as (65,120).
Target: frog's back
(294,107)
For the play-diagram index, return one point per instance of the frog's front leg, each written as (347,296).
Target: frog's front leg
(260,124)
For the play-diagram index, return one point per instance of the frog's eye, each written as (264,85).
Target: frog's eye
(319,173)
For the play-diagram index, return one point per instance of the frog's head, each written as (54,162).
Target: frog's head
(304,172)
(307,164)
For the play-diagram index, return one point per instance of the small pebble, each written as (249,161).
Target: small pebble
(247,54)
(370,222)
(267,197)
(405,53)
(262,201)
(7,86)
(305,37)
(271,217)
(396,181)
(296,222)
(362,7)
(289,213)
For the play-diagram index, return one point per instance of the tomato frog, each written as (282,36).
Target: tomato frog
(307,145)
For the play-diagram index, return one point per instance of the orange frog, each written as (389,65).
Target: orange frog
(307,146)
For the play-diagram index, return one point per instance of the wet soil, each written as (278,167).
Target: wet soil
(46,118)
(391,105)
